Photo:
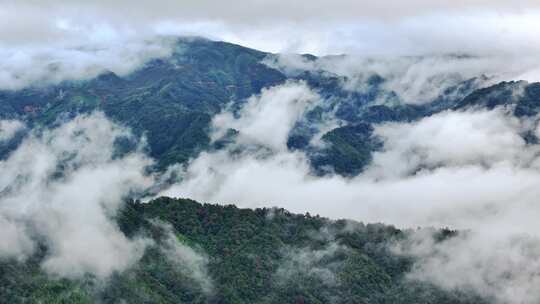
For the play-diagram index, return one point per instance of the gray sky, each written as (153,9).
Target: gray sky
(417,26)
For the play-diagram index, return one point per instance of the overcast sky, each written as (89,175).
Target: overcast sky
(320,27)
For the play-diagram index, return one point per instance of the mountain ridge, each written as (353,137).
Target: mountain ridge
(246,249)
(172,101)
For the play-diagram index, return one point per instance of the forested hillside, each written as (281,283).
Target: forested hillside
(229,255)
(172,101)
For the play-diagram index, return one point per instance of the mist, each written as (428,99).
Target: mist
(62,188)
(49,65)
(8,129)
(71,212)
(468,170)
(348,25)
(414,79)
(436,171)
(187,260)
(52,41)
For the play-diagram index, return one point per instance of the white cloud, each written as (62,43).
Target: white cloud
(503,268)
(441,153)
(267,119)
(15,241)
(476,138)
(193,263)
(8,129)
(471,170)
(305,26)
(309,262)
(43,65)
(467,170)
(415,79)
(63,186)
(78,39)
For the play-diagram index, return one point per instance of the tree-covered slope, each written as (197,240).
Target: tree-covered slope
(524,97)
(245,256)
(172,100)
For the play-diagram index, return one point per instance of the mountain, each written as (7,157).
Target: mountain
(172,101)
(522,96)
(253,256)
(202,253)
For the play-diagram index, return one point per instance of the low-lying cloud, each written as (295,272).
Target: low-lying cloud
(485,138)
(414,79)
(8,129)
(298,263)
(502,268)
(192,263)
(275,109)
(463,169)
(62,187)
(468,169)
(53,40)
(46,65)
(303,26)
(446,150)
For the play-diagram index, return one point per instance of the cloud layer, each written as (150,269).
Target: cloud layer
(63,187)
(43,65)
(414,79)
(466,169)
(276,109)
(502,268)
(314,26)
(79,39)
(8,129)
(462,169)
(447,151)
(186,259)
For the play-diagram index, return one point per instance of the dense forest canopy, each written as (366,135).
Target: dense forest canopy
(223,254)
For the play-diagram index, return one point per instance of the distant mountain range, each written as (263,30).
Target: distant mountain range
(172,101)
